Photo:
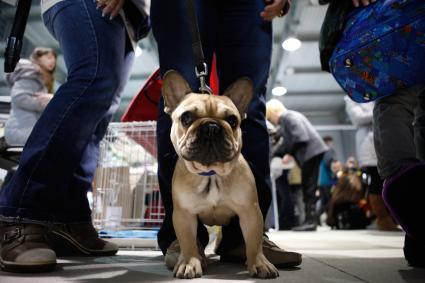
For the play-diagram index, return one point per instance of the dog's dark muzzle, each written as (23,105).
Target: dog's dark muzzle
(211,145)
(211,130)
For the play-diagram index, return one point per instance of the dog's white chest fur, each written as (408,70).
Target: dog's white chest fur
(208,200)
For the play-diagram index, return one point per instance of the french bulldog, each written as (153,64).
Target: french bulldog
(212,181)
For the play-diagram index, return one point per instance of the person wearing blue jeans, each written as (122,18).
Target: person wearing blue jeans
(239,33)
(44,209)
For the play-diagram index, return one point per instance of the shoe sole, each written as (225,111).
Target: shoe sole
(26,268)
(304,230)
(413,252)
(65,245)
(236,259)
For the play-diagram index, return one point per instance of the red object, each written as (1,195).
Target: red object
(144,106)
(155,209)
(214,85)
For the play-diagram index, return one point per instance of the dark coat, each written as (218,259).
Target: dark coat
(300,139)
(332,28)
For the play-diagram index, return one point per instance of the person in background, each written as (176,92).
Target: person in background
(304,143)
(352,165)
(275,172)
(44,210)
(327,176)
(31,89)
(239,34)
(295,185)
(361,115)
(285,201)
(399,136)
(280,172)
(32,85)
(347,208)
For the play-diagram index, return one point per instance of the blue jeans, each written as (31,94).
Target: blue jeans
(242,42)
(59,159)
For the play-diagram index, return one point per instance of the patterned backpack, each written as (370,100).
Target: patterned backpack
(382,49)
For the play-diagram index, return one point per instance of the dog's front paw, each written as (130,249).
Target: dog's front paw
(188,269)
(262,268)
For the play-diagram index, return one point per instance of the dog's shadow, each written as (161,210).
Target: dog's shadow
(230,271)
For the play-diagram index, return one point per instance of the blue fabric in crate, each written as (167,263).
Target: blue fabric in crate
(128,234)
(382,49)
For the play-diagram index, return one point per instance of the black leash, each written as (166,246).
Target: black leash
(12,53)
(201,68)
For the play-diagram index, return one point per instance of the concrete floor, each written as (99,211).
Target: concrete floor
(328,256)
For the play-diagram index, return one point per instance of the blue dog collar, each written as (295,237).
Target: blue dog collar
(209,173)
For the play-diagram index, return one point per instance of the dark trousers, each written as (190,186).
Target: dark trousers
(399,130)
(374,184)
(325,197)
(241,40)
(309,177)
(285,202)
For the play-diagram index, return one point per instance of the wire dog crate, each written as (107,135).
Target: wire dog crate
(125,187)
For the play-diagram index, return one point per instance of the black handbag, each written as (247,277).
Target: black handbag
(139,20)
(332,28)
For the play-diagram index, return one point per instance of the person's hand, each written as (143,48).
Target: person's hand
(287,158)
(274,8)
(110,7)
(44,97)
(357,3)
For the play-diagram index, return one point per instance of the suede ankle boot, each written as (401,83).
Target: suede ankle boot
(24,248)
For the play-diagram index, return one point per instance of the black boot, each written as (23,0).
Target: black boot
(414,251)
(310,223)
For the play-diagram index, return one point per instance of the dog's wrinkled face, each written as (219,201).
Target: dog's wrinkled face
(206,128)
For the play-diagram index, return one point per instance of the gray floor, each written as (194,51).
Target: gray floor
(328,256)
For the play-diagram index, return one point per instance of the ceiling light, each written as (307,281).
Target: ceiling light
(279,91)
(138,51)
(291,44)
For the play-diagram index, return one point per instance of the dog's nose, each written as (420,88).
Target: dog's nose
(210,129)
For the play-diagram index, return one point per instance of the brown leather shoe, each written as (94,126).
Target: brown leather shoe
(173,253)
(24,248)
(79,239)
(279,257)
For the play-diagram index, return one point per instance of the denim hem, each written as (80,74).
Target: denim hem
(24,215)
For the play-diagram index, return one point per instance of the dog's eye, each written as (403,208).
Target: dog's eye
(232,120)
(187,118)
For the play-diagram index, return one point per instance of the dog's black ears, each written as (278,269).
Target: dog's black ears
(240,92)
(174,89)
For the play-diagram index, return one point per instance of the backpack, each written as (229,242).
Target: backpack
(382,49)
